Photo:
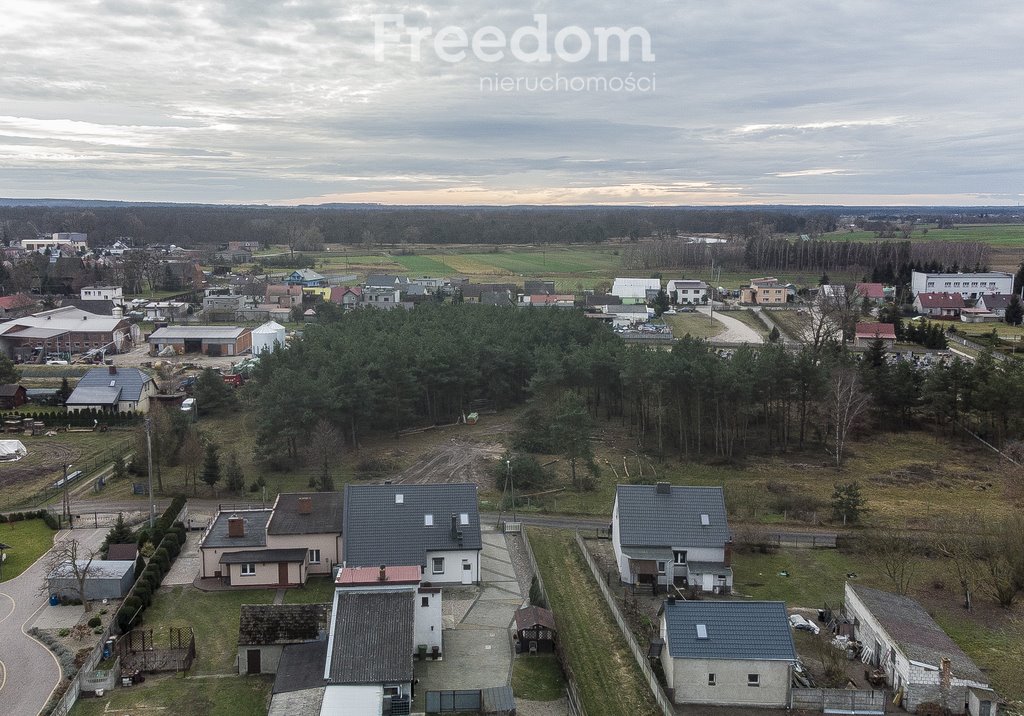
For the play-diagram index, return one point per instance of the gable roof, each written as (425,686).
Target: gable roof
(255,530)
(379,530)
(9,390)
(384,280)
(325,517)
(372,638)
(302,667)
(527,617)
(128,550)
(940,300)
(870,290)
(306,275)
(98,307)
(996,301)
(85,395)
(635,287)
(223,333)
(282,623)
(130,381)
(757,631)
(66,318)
(916,633)
(876,330)
(648,518)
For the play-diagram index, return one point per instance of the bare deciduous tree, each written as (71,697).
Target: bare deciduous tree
(899,556)
(70,560)
(846,402)
(325,448)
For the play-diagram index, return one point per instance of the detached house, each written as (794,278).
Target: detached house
(306,278)
(436,527)
(113,389)
(672,535)
(727,653)
(939,305)
(921,662)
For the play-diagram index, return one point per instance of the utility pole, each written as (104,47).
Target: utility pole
(149,456)
(66,507)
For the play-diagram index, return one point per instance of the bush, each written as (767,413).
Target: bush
(95,622)
(64,632)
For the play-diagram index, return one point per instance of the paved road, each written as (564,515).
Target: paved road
(736,331)
(28,670)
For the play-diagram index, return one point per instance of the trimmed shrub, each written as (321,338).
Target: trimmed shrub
(95,622)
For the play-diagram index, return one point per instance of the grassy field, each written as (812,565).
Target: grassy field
(212,615)
(793,324)
(606,675)
(318,590)
(183,695)
(697,325)
(28,540)
(537,678)
(748,318)
(996,235)
(989,635)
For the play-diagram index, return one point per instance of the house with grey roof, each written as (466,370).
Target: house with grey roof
(436,527)
(672,535)
(278,547)
(307,278)
(113,389)
(727,653)
(921,662)
(264,630)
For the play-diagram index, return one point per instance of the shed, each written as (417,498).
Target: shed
(535,630)
(12,396)
(106,579)
(266,336)
(265,629)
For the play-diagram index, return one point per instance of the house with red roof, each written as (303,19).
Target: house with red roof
(18,304)
(874,292)
(866,333)
(347,296)
(939,305)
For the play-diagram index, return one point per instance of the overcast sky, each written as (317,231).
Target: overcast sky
(253,101)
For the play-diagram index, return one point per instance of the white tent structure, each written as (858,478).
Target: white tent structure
(265,336)
(12,450)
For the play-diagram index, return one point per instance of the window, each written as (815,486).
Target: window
(424,601)
(463,518)
(679,556)
(753,679)
(437,565)
(711,680)
(399,498)
(428,520)
(661,567)
(702,631)
(248,569)
(705,520)
(314,556)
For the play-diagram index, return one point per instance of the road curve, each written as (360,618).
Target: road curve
(736,331)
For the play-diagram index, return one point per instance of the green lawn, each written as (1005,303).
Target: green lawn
(748,318)
(697,325)
(318,590)
(998,235)
(28,540)
(537,678)
(184,696)
(425,265)
(606,674)
(212,615)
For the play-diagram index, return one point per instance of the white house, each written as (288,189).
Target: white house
(727,653)
(434,526)
(113,389)
(920,660)
(634,290)
(968,285)
(669,534)
(76,241)
(103,293)
(683,291)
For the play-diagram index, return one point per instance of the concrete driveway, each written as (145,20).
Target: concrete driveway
(478,650)
(29,672)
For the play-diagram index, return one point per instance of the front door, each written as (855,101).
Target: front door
(253,661)
(467,572)
(282,573)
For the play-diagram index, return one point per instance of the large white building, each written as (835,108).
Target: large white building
(968,285)
(635,290)
(103,293)
(75,240)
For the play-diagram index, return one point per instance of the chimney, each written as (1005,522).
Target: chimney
(236,526)
(728,554)
(671,599)
(945,673)
(383,575)
(305,505)
(455,526)
(663,488)
(112,370)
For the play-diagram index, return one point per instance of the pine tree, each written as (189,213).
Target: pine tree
(233,473)
(1015,311)
(211,466)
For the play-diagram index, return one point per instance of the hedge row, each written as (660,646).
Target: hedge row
(43,515)
(82,418)
(169,536)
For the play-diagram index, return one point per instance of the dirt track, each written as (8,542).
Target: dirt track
(44,456)
(458,460)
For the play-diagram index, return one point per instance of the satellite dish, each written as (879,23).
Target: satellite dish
(119,339)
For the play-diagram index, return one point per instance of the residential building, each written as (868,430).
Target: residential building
(346,296)
(63,330)
(74,241)
(765,291)
(300,535)
(727,653)
(436,527)
(534,287)
(103,293)
(250,246)
(166,310)
(968,285)
(182,275)
(874,292)
(18,304)
(99,308)
(626,315)
(264,630)
(284,295)
(386,281)
(635,290)
(113,389)
(867,333)
(12,396)
(118,248)
(683,291)
(234,256)
(208,340)
(921,662)
(306,278)
(672,535)
(377,297)
(995,303)
(939,305)
(226,305)
(489,294)
(549,299)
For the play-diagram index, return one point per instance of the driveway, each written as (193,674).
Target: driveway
(736,331)
(478,649)
(29,672)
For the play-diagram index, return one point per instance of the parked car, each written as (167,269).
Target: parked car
(188,405)
(56,361)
